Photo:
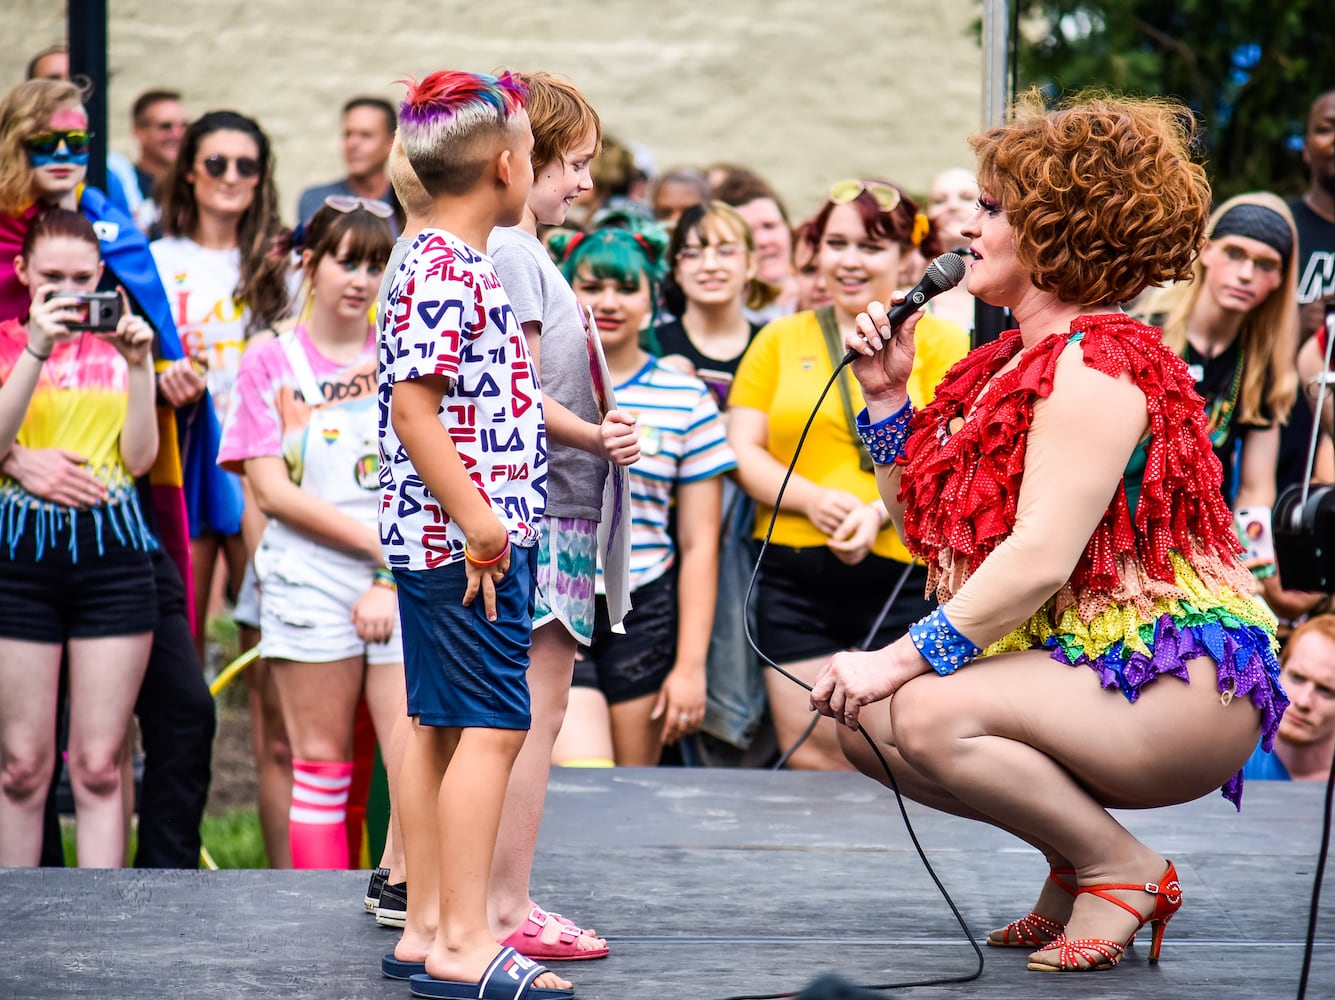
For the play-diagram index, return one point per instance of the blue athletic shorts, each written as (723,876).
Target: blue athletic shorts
(462,670)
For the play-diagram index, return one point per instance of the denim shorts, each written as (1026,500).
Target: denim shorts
(461,670)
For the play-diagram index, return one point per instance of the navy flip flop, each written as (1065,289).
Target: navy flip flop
(509,977)
(394,968)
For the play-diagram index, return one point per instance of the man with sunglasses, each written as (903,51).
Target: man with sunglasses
(157,122)
(368,132)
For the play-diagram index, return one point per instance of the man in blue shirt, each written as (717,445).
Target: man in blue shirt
(1305,743)
(368,133)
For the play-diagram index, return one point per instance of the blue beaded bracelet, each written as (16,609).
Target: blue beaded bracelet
(885,438)
(944,648)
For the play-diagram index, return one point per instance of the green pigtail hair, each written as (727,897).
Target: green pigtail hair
(622,253)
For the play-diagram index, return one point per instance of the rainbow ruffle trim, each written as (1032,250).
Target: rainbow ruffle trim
(1128,651)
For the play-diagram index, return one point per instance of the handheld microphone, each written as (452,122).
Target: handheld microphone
(943,272)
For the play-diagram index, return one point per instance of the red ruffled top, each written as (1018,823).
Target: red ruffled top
(964,459)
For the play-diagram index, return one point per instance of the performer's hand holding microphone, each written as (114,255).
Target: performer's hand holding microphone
(881,349)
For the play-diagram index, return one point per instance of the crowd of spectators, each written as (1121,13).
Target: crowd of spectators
(721,317)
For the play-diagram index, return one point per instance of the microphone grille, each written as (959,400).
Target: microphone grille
(946,271)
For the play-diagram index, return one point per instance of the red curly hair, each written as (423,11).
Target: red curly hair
(1101,192)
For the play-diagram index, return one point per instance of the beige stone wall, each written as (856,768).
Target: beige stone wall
(803,90)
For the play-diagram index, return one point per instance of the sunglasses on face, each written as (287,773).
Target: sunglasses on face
(886,195)
(350,203)
(246,166)
(46,143)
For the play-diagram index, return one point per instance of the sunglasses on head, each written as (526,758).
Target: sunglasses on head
(886,195)
(246,166)
(350,203)
(46,143)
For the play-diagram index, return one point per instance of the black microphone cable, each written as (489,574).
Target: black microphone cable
(1322,383)
(866,644)
(1316,883)
(885,765)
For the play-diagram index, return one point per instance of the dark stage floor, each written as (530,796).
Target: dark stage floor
(708,883)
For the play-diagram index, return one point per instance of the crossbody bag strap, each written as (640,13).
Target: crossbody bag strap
(307,384)
(834,346)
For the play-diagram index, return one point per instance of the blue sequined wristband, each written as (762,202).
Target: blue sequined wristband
(885,438)
(944,648)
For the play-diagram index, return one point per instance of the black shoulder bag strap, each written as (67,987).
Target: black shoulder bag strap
(834,346)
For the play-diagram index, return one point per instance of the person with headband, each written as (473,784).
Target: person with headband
(1235,326)
(833,557)
(1096,645)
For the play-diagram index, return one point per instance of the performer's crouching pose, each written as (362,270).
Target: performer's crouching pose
(1062,490)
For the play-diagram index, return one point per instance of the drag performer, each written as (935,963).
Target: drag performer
(1062,490)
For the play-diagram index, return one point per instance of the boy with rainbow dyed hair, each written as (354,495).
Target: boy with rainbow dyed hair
(463,473)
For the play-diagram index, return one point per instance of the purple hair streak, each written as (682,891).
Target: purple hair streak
(445,93)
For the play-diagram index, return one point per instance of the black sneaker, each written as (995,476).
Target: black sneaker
(393,908)
(372,900)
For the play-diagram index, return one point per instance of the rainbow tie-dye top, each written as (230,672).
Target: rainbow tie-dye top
(79,404)
(1159,582)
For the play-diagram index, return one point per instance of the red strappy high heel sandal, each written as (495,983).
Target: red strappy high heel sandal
(1033,930)
(1094,954)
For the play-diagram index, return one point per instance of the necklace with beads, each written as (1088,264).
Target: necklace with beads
(1219,413)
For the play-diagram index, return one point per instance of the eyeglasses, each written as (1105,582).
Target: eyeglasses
(164,126)
(693,253)
(350,203)
(886,195)
(1237,255)
(246,166)
(46,143)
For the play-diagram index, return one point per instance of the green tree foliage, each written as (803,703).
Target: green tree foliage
(1249,69)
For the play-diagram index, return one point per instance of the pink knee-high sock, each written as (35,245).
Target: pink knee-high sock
(319,810)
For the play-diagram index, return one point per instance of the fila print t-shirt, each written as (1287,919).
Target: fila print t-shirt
(201,285)
(448,315)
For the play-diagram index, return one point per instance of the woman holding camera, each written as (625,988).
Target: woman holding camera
(44,153)
(75,577)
